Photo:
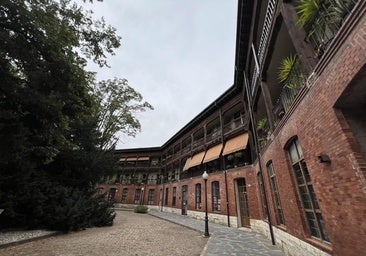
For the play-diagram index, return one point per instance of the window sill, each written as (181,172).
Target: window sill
(322,245)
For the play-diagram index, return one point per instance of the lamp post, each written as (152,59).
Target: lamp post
(205,177)
(142,196)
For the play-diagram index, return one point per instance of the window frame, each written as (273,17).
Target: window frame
(305,190)
(280,218)
(216,198)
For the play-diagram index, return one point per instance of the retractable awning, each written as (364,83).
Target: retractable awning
(212,153)
(131,159)
(197,159)
(186,165)
(143,158)
(235,144)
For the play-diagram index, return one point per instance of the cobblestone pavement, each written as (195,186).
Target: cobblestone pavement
(132,234)
(225,240)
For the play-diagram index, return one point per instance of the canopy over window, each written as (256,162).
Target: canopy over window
(197,159)
(131,159)
(143,158)
(212,153)
(235,144)
(186,165)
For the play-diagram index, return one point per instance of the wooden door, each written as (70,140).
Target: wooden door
(243,202)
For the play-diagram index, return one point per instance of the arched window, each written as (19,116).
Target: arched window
(275,194)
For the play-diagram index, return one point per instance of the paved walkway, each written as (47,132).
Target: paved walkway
(225,240)
(144,235)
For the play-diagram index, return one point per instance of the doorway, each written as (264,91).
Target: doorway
(242,203)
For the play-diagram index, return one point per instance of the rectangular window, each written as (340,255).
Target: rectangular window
(150,198)
(275,194)
(137,196)
(166,196)
(306,192)
(216,200)
(174,196)
(124,195)
(261,188)
(198,196)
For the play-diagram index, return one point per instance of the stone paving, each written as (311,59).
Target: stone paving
(132,234)
(225,240)
(140,234)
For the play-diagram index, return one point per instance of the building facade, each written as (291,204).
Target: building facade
(285,146)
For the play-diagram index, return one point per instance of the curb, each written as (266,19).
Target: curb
(26,240)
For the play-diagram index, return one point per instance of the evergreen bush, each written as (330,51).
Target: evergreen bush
(141,209)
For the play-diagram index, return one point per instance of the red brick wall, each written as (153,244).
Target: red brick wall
(322,129)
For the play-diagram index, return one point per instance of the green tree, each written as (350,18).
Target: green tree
(55,137)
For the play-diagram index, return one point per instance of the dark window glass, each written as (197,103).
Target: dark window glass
(307,195)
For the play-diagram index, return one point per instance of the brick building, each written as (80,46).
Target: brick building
(284,147)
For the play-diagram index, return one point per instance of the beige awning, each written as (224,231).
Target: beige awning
(131,159)
(212,153)
(143,158)
(186,165)
(122,159)
(235,144)
(197,159)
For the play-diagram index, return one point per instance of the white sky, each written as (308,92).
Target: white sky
(179,54)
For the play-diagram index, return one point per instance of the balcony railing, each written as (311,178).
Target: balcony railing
(263,42)
(234,124)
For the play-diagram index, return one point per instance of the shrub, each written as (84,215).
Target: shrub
(140,209)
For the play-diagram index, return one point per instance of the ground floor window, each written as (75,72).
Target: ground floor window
(174,196)
(275,194)
(124,195)
(198,196)
(306,193)
(216,200)
(166,196)
(150,198)
(137,196)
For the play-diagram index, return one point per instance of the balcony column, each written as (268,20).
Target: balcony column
(298,35)
(268,103)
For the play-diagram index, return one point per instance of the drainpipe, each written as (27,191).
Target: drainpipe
(225,172)
(255,137)
(227,198)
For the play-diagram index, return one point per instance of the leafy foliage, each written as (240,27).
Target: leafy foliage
(140,209)
(290,72)
(57,132)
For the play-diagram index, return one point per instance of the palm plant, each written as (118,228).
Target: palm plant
(290,72)
(308,11)
(321,19)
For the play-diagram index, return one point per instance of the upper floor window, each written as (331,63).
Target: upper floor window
(216,200)
(306,193)
(275,194)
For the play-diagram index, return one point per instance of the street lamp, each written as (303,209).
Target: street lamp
(205,177)
(142,196)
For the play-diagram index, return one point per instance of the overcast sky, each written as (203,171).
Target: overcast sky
(179,54)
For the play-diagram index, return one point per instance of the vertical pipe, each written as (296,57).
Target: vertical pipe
(254,131)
